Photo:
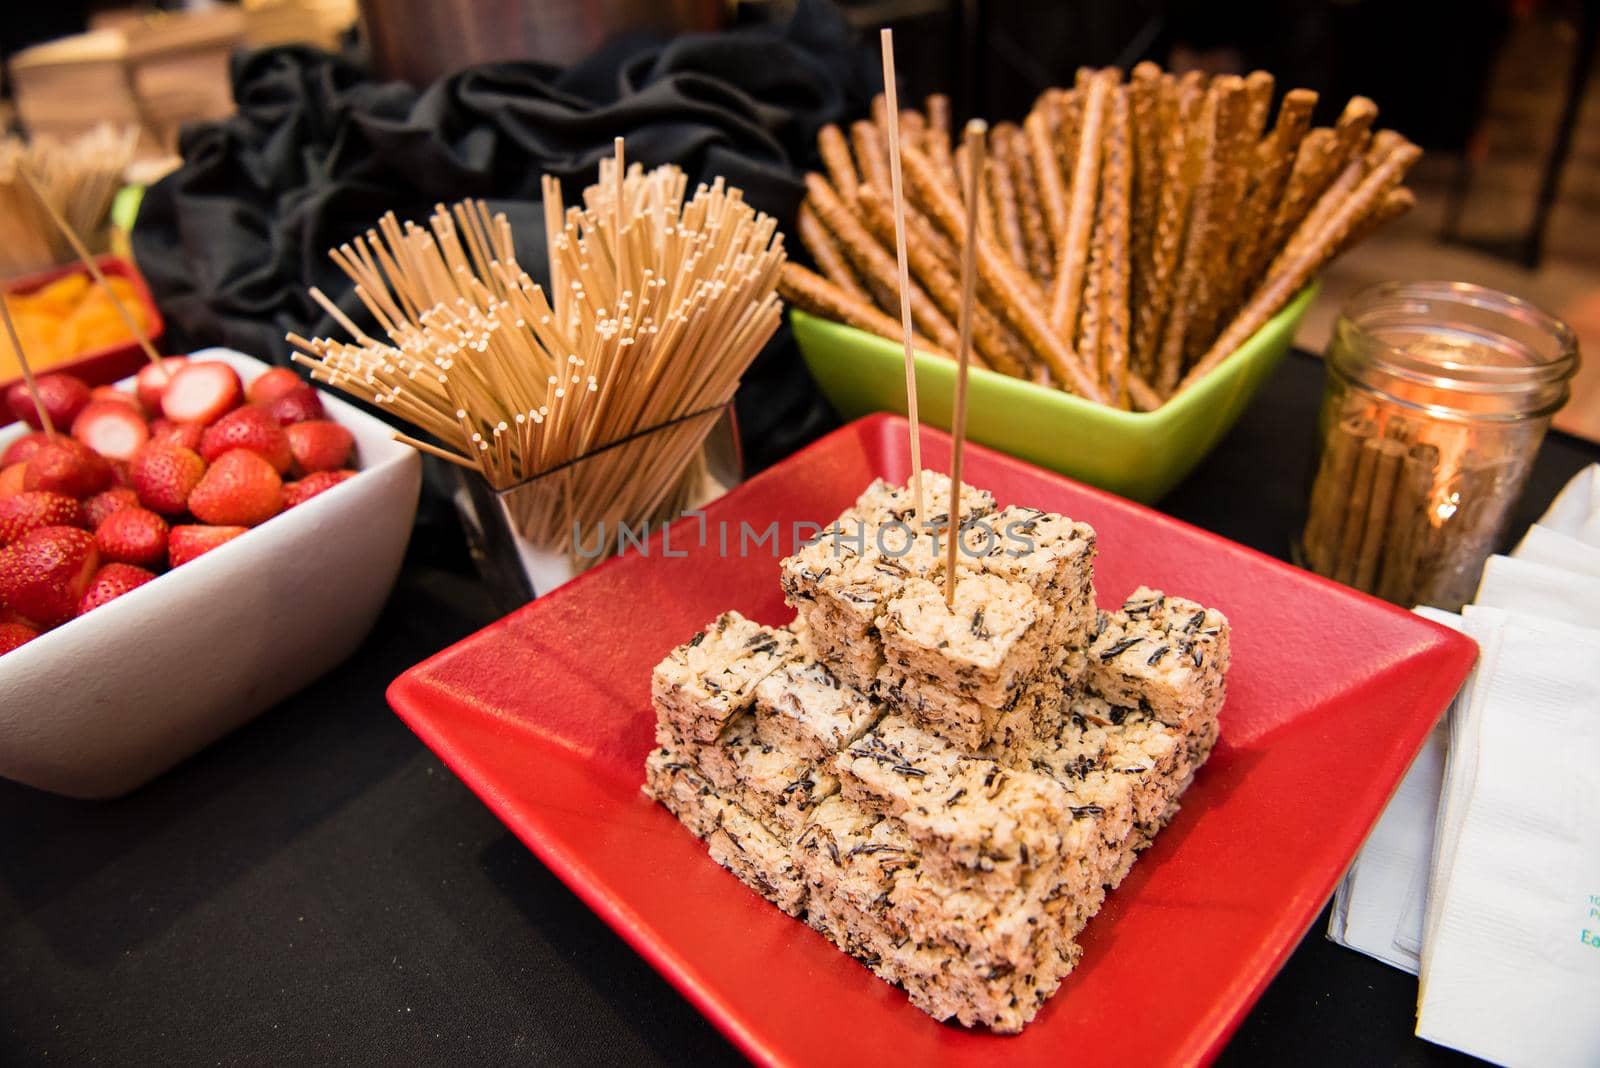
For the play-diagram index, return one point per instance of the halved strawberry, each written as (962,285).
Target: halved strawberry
(25,446)
(102,504)
(192,540)
(120,396)
(164,475)
(67,466)
(320,445)
(299,492)
(297,405)
(63,397)
(189,435)
(248,428)
(44,574)
(240,489)
(153,378)
(11,480)
(111,582)
(272,384)
(133,536)
(111,428)
(14,635)
(201,393)
(30,511)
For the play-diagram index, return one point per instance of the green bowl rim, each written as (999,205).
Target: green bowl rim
(1173,409)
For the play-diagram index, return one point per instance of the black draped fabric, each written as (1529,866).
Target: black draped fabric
(318,151)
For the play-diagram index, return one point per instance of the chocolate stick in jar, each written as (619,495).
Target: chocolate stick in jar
(1354,522)
(1002,193)
(1073,252)
(825,251)
(1330,492)
(1408,524)
(1387,470)
(811,292)
(835,153)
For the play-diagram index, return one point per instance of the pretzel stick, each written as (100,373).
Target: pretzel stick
(1144,98)
(1201,152)
(1035,233)
(835,152)
(936,142)
(1013,294)
(1180,168)
(1142,394)
(1274,158)
(1090,319)
(1229,162)
(1394,204)
(1280,288)
(1258,104)
(1116,255)
(871,155)
(1046,175)
(1351,130)
(1071,260)
(913,128)
(995,347)
(875,264)
(825,251)
(811,292)
(1337,193)
(1067,111)
(1315,165)
(1003,196)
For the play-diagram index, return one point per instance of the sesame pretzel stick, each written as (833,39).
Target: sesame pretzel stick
(1144,92)
(827,254)
(872,156)
(1046,175)
(1115,239)
(1035,234)
(1142,394)
(1090,321)
(1002,193)
(913,127)
(1274,158)
(1201,146)
(1013,294)
(1229,159)
(835,153)
(1067,112)
(1072,257)
(1315,165)
(1337,192)
(1280,288)
(1177,114)
(1258,104)
(810,292)
(1351,131)
(936,143)
(874,263)
(1394,204)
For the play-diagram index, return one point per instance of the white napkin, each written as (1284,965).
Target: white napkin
(1511,963)
(1540,590)
(1576,509)
(1547,545)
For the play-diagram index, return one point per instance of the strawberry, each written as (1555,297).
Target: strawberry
(133,536)
(13,635)
(272,384)
(188,435)
(240,489)
(299,492)
(165,475)
(43,575)
(320,445)
(187,542)
(30,511)
(67,466)
(112,393)
(102,504)
(252,429)
(63,397)
(111,582)
(201,393)
(111,428)
(297,405)
(11,479)
(153,378)
(25,446)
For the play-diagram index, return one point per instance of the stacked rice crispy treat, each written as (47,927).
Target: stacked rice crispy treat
(947,793)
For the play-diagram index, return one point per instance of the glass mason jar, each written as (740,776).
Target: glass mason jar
(1438,395)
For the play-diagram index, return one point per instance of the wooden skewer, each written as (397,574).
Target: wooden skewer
(88,261)
(897,191)
(27,371)
(973,138)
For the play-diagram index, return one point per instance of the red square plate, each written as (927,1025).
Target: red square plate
(546,714)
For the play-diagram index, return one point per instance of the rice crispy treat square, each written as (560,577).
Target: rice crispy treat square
(1051,555)
(707,681)
(1163,653)
(882,502)
(1006,732)
(771,783)
(985,646)
(806,709)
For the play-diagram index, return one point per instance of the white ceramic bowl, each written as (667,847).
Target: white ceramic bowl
(110,700)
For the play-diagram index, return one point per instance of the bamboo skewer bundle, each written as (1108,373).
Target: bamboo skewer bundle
(1124,282)
(80,178)
(584,404)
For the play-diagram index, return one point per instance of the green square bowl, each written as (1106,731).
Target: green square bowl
(1140,455)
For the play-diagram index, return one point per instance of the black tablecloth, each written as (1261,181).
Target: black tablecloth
(317,888)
